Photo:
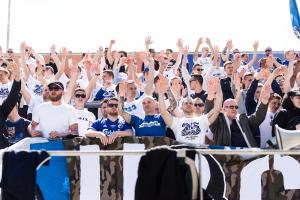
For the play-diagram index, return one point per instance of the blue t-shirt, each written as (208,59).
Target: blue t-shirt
(17,130)
(108,127)
(151,125)
(105,93)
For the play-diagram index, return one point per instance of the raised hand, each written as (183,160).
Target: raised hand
(236,62)
(15,69)
(64,52)
(200,41)
(265,93)
(229,44)
(179,43)
(291,55)
(122,89)
(52,48)
(148,41)
(162,85)
(207,41)
(255,45)
(112,42)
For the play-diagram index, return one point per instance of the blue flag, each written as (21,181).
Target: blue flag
(295,17)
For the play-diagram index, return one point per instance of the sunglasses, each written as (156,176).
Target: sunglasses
(111,105)
(10,52)
(232,107)
(54,88)
(80,95)
(198,104)
(132,88)
(199,69)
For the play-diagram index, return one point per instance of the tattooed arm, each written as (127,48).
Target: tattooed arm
(172,100)
(126,116)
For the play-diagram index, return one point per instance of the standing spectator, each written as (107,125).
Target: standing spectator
(231,129)
(265,128)
(204,60)
(198,107)
(17,126)
(112,127)
(191,129)
(9,103)
(151,124)
(47,121)
(85,118)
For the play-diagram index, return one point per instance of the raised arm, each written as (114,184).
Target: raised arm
(208,42)
(57,61)
(109,52)
(72,84)
(162,87)
(252,61)
(148,42)
(185,73)
(126,116)
(25,93)
(13,96)
(25,70)
(196,52)
(150,81)
(215,86)
(179,56)
(226,51)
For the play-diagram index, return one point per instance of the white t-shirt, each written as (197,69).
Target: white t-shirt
(34,104)
(135,107)
(85,119)
(4,91)
(191,130)
(34,86)
(54,118)
(206,63)
(265,129)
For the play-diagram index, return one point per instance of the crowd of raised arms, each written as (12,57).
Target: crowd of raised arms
(218,99)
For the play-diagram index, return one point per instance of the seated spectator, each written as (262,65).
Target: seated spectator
(110,128)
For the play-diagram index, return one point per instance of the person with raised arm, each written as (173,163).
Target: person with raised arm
(190,129)
(9,103)
(204,60)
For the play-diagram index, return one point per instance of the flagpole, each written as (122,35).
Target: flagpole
(8,25)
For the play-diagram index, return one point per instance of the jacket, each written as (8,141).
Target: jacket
(221,130)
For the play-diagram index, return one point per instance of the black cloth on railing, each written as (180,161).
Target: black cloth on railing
(18,180)
(159,177)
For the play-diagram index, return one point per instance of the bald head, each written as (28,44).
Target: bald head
(229,102)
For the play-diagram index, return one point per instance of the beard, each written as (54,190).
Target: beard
(113,113)
(55,98)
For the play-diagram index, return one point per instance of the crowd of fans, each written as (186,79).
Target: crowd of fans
(218,99)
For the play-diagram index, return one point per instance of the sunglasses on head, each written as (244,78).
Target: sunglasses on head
(54,88)
(112,105)
(232,107)
(80,95)
(198,104)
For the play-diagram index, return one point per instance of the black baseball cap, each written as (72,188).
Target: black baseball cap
(56,85)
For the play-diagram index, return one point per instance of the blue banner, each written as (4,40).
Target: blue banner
(295,17)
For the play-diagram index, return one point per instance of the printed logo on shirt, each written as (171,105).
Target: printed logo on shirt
(83,119)
(38,89)
(190,130)
(130,108)
(107,132)
(149,124)
(108,94)
(4,93)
